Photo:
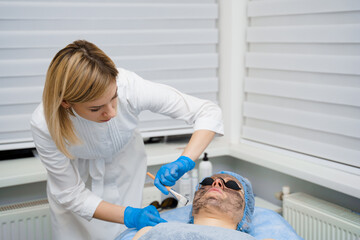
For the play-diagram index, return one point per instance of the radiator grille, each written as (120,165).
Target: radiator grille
(25,221)
(316,219)
(23,205)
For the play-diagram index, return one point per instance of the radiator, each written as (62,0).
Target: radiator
(25,221)
(316,219)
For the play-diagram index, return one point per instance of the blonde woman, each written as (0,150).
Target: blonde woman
(85,131)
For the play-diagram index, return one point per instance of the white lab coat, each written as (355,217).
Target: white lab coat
(110,164)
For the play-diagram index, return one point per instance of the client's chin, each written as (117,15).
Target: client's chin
(213,203)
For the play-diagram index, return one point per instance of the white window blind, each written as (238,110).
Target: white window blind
(302,89)
(167,41)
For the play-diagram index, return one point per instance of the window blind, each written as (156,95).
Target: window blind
(302,87)
(167,41)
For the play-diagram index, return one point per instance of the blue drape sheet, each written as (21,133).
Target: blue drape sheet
(267,224)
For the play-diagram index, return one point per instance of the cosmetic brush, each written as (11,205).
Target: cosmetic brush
(182,201)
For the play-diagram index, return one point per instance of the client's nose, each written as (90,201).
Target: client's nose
(218,183)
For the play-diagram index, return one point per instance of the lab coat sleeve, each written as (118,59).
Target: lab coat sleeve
(63,179)
(163,99)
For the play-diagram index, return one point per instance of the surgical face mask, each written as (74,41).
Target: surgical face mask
(229,184)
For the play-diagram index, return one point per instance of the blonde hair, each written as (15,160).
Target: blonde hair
(79,73)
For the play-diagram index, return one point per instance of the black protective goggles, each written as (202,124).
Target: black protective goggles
(229,184)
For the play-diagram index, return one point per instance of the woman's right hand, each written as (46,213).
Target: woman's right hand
(142,217)
(169,173)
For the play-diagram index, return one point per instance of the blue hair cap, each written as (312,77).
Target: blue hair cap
(245,225)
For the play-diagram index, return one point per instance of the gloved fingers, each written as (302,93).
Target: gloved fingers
(171,172)
(174,171)
(168,178)
(154,214)
(149,217)
(159,180)
(152,209)
(161,187)
(178,170)
(139,218)
(164,175)
(155,219)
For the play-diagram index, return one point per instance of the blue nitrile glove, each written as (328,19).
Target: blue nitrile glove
(171,172)
(142,217)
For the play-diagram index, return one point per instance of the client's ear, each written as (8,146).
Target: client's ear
(65,104)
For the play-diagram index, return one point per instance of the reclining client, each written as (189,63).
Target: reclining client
(223,207)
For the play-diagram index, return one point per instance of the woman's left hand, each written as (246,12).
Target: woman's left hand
(142,217)
(171,172)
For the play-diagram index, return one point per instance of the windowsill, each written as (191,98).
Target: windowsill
(161,153)
(29,170)
(328,177)
(21,171)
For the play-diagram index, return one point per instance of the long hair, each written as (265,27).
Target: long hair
(80,72)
